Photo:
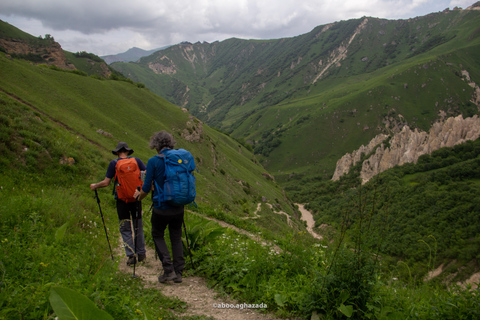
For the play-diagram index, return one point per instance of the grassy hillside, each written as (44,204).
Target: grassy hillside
(329,90)
(228,176)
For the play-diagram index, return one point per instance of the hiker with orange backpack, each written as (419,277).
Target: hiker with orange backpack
(126,173)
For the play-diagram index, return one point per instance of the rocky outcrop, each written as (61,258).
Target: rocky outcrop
(408,145)
(340,53)
(107,134)
(193,131)
(349,160)
(52,54)
(164,65)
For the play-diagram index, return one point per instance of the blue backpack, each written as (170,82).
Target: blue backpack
(179,186)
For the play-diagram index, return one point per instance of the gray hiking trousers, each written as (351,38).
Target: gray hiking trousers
(126,214)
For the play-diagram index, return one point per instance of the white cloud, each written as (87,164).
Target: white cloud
(105,27)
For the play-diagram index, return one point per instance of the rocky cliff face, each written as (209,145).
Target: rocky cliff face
(51,54)
(408,145)
(349,160)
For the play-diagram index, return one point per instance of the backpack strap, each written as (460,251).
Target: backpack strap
(163,156)
(115,176)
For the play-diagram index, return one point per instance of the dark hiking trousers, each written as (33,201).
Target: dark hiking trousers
(160,221)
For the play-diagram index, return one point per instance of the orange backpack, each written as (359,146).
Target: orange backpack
(127,179)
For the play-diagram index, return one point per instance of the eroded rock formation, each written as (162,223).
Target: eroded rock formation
(51,54)
(408,145)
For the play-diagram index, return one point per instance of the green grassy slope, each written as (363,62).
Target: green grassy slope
(228,178)
(52,233)
(341,119)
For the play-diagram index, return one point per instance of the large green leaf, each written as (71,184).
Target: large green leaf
(280,299)
(60,233)
(346,310)
(69,304)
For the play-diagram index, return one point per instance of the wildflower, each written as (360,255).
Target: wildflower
(138,311)
(44,264)
(6,240)
(394,279)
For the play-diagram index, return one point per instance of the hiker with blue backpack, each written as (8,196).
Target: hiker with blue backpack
(170,173)
(126,172)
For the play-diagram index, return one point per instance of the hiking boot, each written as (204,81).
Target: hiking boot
(167,277)
(142,257)
(178,279)
(131,261)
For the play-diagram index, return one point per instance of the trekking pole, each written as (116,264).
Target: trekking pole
(135,232)
(105,227)
(188,244)
(156,253)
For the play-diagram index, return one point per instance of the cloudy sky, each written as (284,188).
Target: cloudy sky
(113,26)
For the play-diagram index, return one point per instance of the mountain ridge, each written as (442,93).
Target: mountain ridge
(341,81)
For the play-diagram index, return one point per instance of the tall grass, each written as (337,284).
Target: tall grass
(54,237)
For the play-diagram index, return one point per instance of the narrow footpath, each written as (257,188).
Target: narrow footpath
(201,300)
(193,290)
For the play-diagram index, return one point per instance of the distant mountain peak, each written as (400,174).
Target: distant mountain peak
(131,55)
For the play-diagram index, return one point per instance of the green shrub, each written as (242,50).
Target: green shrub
(345,289)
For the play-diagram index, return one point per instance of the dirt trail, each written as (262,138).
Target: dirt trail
(256,215)
(307,216)
(193,290)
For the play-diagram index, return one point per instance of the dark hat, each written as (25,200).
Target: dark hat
(124,146)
